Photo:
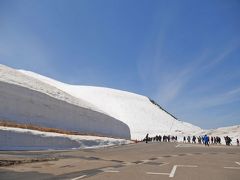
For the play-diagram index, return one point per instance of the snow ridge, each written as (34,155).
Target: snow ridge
(152,101)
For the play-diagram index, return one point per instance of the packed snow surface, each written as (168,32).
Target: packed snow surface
(137,111)
(24,139)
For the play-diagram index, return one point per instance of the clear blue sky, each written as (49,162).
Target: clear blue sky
(183,54)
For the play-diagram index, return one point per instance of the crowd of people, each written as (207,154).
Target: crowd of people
(159,138)
(202,140)
(206,140)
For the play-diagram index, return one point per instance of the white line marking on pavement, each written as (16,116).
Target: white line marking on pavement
(237,163)
(178,145)
(231,167)
(187,166)
(153,173)
(80,177)
(172,173)
(111,171)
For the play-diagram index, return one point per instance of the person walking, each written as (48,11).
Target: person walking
(146,138)
(211,140)
(199,140)
(184,139)
(206,140)
(194,139)
(237,142)
(160,138)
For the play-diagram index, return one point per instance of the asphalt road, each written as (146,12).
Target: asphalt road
(134,162)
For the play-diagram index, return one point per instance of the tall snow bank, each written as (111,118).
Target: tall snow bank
(138,112)
(23,139)
(12,76)
(29,101)
(26,106)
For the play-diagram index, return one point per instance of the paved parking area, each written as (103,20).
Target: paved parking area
(135,161)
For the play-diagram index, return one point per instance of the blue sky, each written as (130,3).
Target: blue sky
(183,54)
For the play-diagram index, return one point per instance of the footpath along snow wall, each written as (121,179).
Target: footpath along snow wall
(26,106)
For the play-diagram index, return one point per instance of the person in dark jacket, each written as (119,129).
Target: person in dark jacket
(194,139)
(146,138)
(184,139)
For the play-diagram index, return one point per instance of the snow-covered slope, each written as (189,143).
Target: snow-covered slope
(27,100)
(232,131)
(137,111)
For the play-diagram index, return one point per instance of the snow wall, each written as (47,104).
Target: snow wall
(26,141)
(23,139)
(26,106)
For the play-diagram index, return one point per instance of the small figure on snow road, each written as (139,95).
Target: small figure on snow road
(206,140)
(228,140)
(146,138)
(184,139)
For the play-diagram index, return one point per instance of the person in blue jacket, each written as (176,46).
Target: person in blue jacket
(206,140)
